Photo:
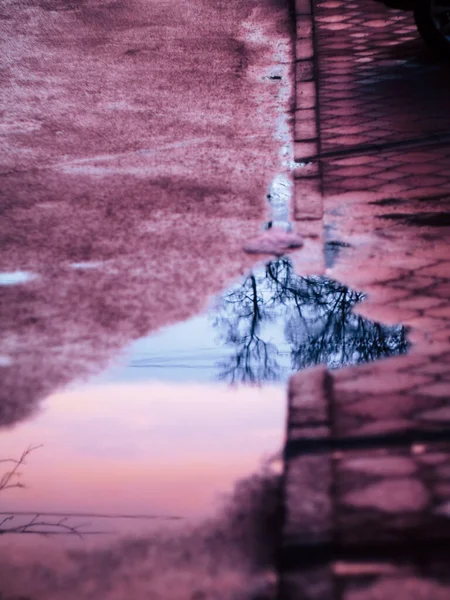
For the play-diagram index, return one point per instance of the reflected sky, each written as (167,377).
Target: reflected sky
(152,448)
(266,327)
(276,322)
(162,432)
(15,277)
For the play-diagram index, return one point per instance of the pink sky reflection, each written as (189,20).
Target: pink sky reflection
(156,448)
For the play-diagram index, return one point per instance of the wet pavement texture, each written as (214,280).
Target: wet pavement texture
(366,485)
(135,185)
(255,335)
(140,140)
(128,170)
(263,329)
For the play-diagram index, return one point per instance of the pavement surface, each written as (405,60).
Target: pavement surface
(367,477)
(122,230)
(139,141)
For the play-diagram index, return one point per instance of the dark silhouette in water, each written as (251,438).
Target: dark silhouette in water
(318,325)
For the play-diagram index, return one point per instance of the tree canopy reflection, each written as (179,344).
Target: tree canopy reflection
(318,326)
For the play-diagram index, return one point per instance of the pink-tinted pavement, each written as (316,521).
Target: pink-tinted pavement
(367,480)
(139,140)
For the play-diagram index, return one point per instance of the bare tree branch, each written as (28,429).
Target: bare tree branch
(10,478)
(36,525)
(318,320)
(9,518)
(44,527)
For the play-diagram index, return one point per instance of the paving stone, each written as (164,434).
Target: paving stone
(306,96)
(312,583)
(304,28)
(442,290)
(443,509)
(442,490)
(441,414)
(381,185)
(305,150)
(441,312)
(305,129)
(407,587)
(385,466)
(307,500)
(391,496)
(434,368)
(429,324)
(306,397)
(347,568)
(304,49)
(304,70)
(378,408)
(443,472)
(440,270)
(442,336)
(433,459)
(390,314)
(306,171)
(384,427)
(273,242)
(303,7)
(420,302)
(395,382)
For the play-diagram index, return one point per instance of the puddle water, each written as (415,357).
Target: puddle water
(160,477)
(134,485)
(16,277)
(162,430)
(138,478)
(153,447)
(94,264)
(261,330)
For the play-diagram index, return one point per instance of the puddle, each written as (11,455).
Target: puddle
(228,558)
(94,264)
(152,450)
(162,432)
(279,198)
(16,277)
(268,326)
(146,456)
(160,477)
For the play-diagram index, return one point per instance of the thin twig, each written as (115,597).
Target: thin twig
(6,481)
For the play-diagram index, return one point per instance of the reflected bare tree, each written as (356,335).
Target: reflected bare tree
(11,478)
(318,326)
(51,523)
(239,318)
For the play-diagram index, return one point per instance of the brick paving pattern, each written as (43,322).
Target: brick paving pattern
(367,475)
